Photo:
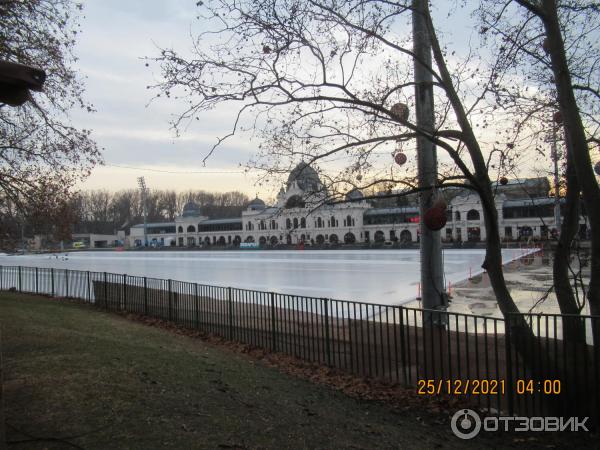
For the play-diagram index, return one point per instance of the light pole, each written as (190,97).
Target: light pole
(432,273)
(144,191)
(555,157)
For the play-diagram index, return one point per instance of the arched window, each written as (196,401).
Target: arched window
(457,215)
(333,238)
(274,240)
(405,236)
(348,221)
(349,238)
(319,222)
(295,222)
(379,236)
(180,229)
(191,229)
(302,222)
(473,214)
(333,222)
(273,225)
(288,223)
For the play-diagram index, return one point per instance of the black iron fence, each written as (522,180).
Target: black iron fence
(523,364)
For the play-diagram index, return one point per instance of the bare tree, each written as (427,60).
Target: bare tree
(41,154)
(554,45)
(321,81)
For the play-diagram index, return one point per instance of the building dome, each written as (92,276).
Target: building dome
(306,177)
(257,205)
(354,194)
(191,209)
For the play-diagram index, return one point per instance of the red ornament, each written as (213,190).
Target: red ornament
(400,111)
(440,202)
(503,181)
(597,168)
(400,158)
(435,218)
(557,117)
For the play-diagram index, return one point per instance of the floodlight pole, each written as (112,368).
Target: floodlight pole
(557,219)
(432,274)
(143,190)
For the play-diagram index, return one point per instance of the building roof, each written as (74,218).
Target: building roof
(531,202)
(257,204)
(305,176)
(220,221)
(354,194)
(191,209)
(155,224)
(398,210)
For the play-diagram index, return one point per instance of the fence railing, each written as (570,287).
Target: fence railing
(483,359)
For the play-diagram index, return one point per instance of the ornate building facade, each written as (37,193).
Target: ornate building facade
(299,217)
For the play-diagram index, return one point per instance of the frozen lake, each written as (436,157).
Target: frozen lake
(378,276)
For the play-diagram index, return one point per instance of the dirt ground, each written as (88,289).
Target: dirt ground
(75,377)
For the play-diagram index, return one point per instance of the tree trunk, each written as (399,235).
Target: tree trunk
(580,151)
(573,327)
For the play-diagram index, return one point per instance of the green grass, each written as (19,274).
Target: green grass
(71,370)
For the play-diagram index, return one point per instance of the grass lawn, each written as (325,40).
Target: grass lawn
(100,381)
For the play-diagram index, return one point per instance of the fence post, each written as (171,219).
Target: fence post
(36,280)
(105,291)
(197,305)
(52,280)
(89,287)
(403,345)
(1,278)
(273,324)
(20,281)
(170,301)
(124,307)
(145,296)
(67,283)
(327,338)
(509,370)
(230,308)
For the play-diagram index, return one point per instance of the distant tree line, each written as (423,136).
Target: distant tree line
(105,212)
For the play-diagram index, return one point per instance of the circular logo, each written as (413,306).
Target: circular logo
(465,424)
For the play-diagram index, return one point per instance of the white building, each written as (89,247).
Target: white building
(299,216)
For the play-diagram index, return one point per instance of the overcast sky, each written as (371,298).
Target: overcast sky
(134,131)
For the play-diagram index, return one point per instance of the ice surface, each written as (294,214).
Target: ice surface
(378,276)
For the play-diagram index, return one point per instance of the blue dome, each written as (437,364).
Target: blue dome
(257,204)
(191,210)
(354,194)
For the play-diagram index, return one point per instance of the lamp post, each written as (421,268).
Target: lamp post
(432,272)
(144,192)
(555,157)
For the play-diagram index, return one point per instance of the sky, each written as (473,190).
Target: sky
(134,130)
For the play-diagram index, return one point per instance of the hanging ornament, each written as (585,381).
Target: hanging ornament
(266,49)
(400,158)
(400,111)
(503,181)
(440,202)
(557,117)
(597,168)
(435,218)
(359,177)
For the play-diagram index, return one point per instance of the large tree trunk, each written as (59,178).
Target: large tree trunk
(573,327)
(580,151)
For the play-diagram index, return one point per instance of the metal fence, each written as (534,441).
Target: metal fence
(482,359)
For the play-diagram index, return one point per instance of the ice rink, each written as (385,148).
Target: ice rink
(377,276)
